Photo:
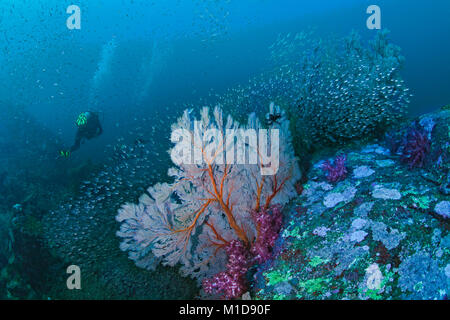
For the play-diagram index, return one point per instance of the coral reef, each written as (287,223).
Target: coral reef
(368,229)
(424,144)
(381,233)
(210,204)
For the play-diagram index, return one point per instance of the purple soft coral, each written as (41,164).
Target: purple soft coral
(268,226)
(232,282)
(336,172)
(416,147)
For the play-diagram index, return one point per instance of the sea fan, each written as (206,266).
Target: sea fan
(211,203)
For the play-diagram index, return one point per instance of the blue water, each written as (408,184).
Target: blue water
(203,46)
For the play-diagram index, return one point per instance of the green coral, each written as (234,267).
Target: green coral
(422,202)
(315,261)
(279,297)
(278,276)
(317,285)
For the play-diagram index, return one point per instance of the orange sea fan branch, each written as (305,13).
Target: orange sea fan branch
(275,191)
(216,234)
(228,212)
(197,215)
(259,188)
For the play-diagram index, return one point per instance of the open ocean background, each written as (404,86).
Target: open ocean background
(142,56)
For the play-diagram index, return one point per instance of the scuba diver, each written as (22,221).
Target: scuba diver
(89,127)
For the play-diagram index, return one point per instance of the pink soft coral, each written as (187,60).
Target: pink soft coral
(232,282)
(268,227)
(416,147)
(338,171)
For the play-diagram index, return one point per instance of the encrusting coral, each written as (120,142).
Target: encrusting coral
(213,207)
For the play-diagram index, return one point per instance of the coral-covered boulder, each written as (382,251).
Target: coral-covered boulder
(424,142)
(381,233)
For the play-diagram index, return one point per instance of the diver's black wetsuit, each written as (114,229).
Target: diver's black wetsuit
(90,130)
